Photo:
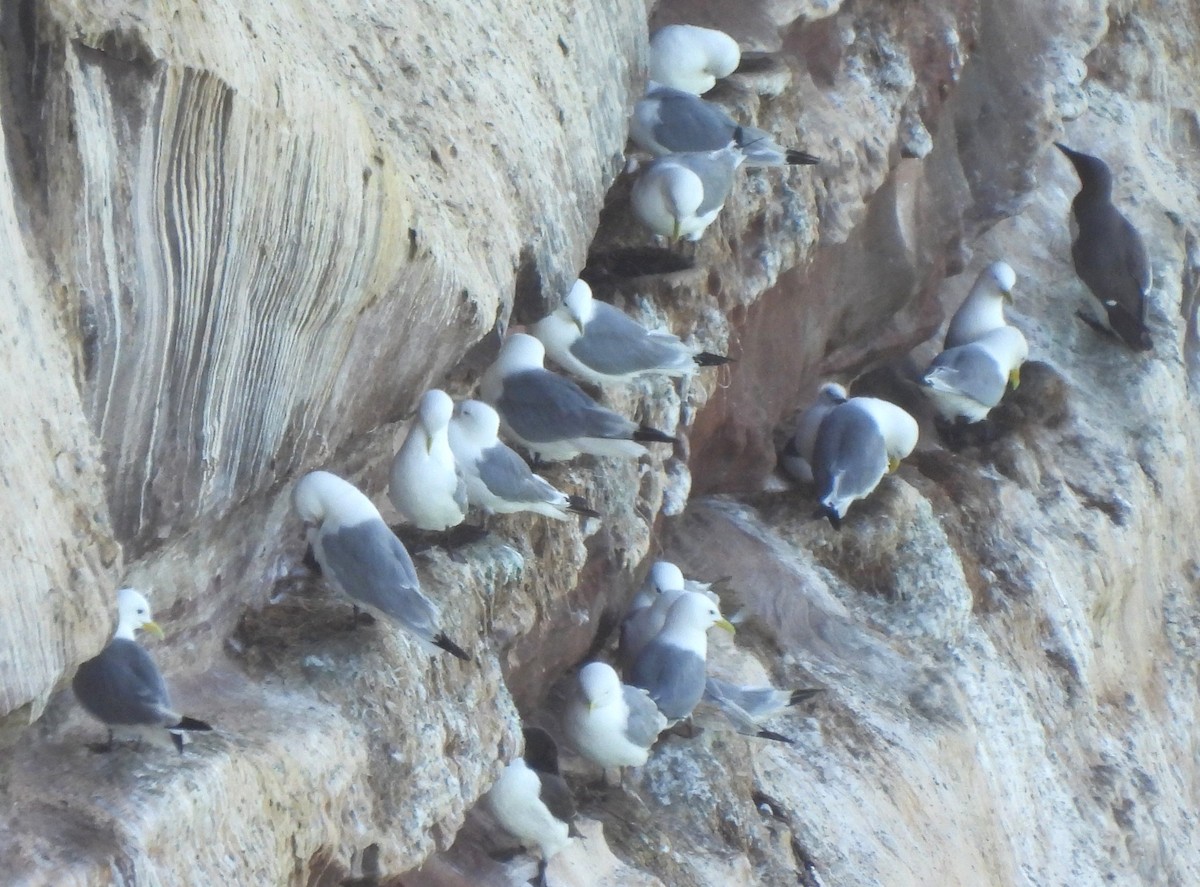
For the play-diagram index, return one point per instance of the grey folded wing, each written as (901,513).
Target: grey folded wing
(686,122)
(374,568)
(973,371)
(614,344)
(850,451)
(673,677)
(122,685)
(645,720)
(542,407)
(507,477)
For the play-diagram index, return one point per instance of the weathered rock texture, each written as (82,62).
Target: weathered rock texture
(240,240)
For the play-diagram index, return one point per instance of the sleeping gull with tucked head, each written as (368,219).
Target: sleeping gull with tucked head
(609,723)
(601,344)
(680,195)
(122,686)
(858,443)
(361,558)
(550,415)
(966,382)
(983,309)
(532,801)
(671,667)
(672,121)
(426,487)
(692,58)
(498,480)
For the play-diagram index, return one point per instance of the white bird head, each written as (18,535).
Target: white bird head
(433,413)
(831,393)
(691,58)
(1010,349)
(478,421)
(578,304)
(521,352)
(695,612)
(133,614)
(898,427)
(997,281)
(665,576)
(599,683)
(323,499)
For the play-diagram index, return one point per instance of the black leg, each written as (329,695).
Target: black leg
(102,748)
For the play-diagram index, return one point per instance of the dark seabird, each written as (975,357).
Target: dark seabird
(123,687)
(532,801)
(1108,252)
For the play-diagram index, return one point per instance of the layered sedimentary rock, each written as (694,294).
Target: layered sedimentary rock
(240,239)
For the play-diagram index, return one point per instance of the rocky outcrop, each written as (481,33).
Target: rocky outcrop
(242,238)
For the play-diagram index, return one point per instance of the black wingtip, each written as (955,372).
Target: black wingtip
(573,832)
(452,648)
(186,723)
(774,737)
(801,157)
(177,740)
(708,359)
(830,514)
(646,434)
(799,696)
(580,507)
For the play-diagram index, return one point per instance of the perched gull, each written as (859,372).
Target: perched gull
(859,442)
(532,802)
(648,612)
(498,480)
(671,666)
(796,458)
(983,309)
(550,415)
(427,488)
(1109,254)
(967,381)
(747,707)
(363,559)
(692,58)
(672,121)
(610,723)
(602,344)
(122,686)
(679,196)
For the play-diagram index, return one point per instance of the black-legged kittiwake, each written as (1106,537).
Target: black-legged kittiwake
(966,382)
(671,667)
(427,487)
(747,707)
(122,686)
(498,480)
(601,344)
(532,801)
(550,415)
(363,559)
(679,195)
(1109,254)
(692,58)
(983,309)
(859,442)
(796,458)
(609,723)
(673,121)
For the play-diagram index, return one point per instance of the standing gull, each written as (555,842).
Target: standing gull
(426,486)
(796,458)
(859,442)
(363,559)
(966,382)
(983,309)
(123,687)
(672,121)
(679,195)
(610,723)
(692,58)
(671,668)
(550,415)
(602,344)
(498,480)
(1109,254)
(532,802)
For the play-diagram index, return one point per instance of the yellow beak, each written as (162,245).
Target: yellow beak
(1014,377)
(1008,296)
(725,624)
(675,233)
(152,628)
(893,464)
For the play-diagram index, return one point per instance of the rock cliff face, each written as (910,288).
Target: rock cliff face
(238,241)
